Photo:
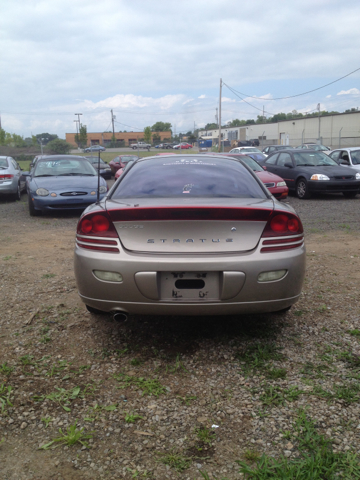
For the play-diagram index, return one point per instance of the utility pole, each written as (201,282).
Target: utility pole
(78,114)
(220,115)
(112,120)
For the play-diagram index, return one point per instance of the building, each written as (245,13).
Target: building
(106,137)
(341,129)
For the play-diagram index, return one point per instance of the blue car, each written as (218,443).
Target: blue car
(62,182)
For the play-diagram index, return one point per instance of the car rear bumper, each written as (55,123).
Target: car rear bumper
(140,291)
(8,188)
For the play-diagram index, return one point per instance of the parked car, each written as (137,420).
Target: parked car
(12,181)
(130,162)
(95,148)
(274,148)
(105,169)
(161,145)
(245,150)
(310,171)
(347,157)
(120,161)
(275,184)
(182,146)
(254,142)
(62,182)
(314,146)
(35,159)
(201,236)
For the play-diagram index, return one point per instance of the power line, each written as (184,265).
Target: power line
(299,94)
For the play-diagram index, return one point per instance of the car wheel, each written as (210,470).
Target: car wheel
(349,194)
(94,310)
(17,195)
(302,189)
(32,210)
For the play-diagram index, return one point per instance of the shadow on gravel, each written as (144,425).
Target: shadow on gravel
(170,336)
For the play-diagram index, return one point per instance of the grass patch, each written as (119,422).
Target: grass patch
(71,437)
(175,461)
(148,386)
(317,461)
(6,370)
(205,435)
(131,418)
(5,393)
(257,356)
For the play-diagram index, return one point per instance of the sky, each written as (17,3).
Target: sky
(162,60)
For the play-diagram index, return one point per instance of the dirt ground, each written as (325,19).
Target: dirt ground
(51,344)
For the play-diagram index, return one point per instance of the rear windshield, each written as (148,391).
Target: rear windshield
(188,177)
(3,163)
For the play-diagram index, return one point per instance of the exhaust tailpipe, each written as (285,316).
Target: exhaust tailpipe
(120,317)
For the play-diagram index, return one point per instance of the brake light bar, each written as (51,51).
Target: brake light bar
(6,176)
(189,213)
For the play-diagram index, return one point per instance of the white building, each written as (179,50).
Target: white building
(342,129)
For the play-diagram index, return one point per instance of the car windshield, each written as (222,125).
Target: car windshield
(128,159)
(355,157)
(282,147)
(252,164)
(63,166)
(3,163)
(313,159)
(193,177)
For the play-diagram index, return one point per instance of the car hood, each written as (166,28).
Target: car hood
(330,171)
(66,182)
(267,177)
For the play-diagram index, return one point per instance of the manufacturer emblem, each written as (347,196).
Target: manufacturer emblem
(233,229)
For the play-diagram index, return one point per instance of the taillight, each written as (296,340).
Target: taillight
(100,226)
(282,225)
(6,176)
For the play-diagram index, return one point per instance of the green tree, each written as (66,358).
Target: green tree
(147,134)
(59,146)
(237,123)
(81,137)
(45,138)
(211,126)
(156,138)
(161,127)
(2,136)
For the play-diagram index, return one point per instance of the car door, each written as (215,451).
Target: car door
(283,169)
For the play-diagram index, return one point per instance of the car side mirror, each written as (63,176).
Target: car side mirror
(25,174)
(289,165)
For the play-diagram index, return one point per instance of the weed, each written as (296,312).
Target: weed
(148,387)
(275,373)
(45,339)
(105,353)
(257,355)
(252,455)
(187,399)
(71,437)
(205,475)
(131,418)
(272,396)
(205,435)
(49,275)
(5,393)
(46,420)
(317,461)
(57,368)
(122,352)
(175,460)
(61,396)
(44,330)
(351,359)
(322,308)
(177,367)
(355,333)
(135,362)
(7,257)
(298,313)
(5,369)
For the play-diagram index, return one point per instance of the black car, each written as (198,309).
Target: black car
(105,169)
(275,148)
(310,171)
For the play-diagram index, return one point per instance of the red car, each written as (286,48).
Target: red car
(120,162)
(275,184)
(182,146)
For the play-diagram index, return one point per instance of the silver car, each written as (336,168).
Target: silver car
(189,235)
(347,157)
(11,181)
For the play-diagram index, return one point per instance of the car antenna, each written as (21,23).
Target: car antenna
(98,187)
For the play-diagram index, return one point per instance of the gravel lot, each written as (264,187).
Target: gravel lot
(175,397)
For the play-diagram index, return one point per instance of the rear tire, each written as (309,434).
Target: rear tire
(17,195)
(32,210)
(349,194)
(302,189)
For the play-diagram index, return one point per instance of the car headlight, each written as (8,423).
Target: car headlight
(357,176)
(319,176)
(281,184)
(42,192)
(103,189)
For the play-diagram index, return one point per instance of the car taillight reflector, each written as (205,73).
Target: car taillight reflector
(6,176)
(189,213)
(282,224)
(278,248)
(99,248)
(95,240)
(96,224)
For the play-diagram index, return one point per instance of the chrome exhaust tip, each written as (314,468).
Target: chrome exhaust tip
(120,317)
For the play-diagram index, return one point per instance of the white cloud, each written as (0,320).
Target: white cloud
(202,96)
(328,96)
(351,91)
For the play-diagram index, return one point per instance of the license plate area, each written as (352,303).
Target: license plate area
(189,286)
